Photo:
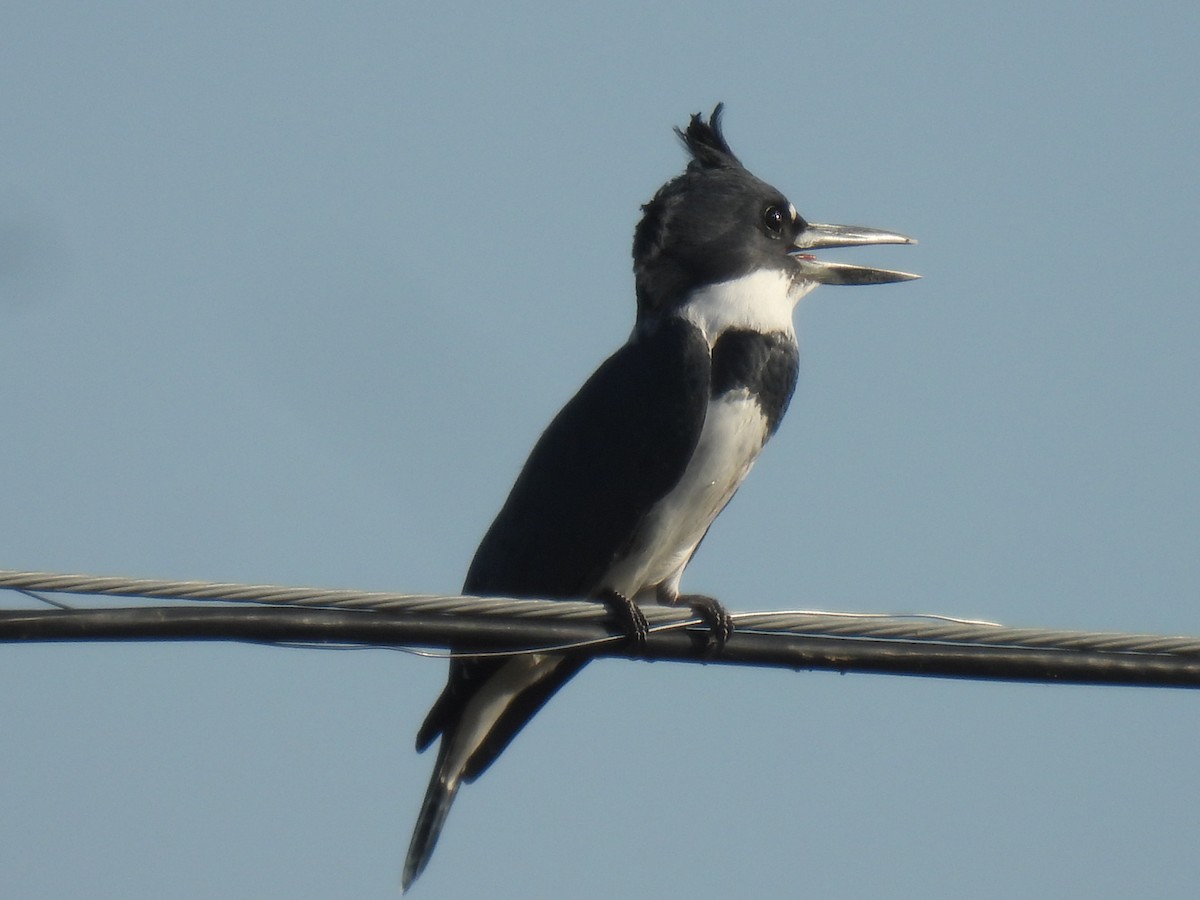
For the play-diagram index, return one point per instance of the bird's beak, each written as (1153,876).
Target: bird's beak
(817,237)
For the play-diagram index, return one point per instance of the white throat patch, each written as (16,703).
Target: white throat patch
(762,301)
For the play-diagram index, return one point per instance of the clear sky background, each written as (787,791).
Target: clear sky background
(288,292)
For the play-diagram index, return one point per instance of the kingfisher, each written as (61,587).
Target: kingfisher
(624,483)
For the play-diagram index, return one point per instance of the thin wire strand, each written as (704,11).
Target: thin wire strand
(33,595)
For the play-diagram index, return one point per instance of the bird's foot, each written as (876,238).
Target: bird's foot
(630,617)
(718,619)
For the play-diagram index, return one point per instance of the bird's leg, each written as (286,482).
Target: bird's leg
(715,615)
(629,615)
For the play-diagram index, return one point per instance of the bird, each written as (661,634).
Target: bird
(622,486)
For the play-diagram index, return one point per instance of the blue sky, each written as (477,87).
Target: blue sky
(287,293)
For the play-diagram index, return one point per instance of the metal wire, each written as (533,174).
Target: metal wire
(911,628)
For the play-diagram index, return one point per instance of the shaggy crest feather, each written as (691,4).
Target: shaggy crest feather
(706,143)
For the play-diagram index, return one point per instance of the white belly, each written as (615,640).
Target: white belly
(733,435)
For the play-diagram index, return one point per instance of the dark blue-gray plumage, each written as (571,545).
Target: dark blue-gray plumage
(624,483)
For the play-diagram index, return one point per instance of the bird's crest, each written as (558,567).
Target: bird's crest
(706,143)
(658,277)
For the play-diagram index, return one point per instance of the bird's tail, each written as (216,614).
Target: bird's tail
(443,787)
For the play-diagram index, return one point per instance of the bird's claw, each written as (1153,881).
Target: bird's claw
(718,619)
(630,617)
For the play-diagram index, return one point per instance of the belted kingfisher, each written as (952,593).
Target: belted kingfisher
(622,486)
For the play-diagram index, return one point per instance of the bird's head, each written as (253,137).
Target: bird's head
(717,222)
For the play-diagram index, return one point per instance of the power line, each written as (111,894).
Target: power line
(909,645)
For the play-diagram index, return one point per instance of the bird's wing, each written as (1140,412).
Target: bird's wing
(615,449)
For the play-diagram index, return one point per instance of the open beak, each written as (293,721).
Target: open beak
(817,237)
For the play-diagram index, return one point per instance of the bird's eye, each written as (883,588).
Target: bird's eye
(773,219)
